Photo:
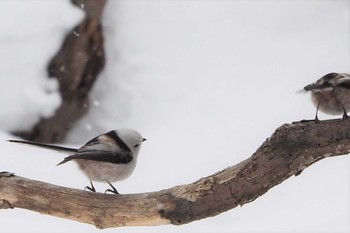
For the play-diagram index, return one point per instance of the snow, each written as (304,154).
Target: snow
(26,45)
(206,82)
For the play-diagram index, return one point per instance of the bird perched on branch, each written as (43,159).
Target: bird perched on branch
(107,158)
(331,94)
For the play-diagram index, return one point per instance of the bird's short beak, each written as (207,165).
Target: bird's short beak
(310,87)
(144,139)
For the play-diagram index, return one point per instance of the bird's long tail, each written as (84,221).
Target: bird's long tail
(47,146)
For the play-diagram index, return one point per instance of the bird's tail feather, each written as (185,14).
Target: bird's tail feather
(47,146)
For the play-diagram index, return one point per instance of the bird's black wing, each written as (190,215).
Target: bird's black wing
(101,156)
(344,82)
(99,143)
(104,148)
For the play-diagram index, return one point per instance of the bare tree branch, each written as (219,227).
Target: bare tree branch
(292,148)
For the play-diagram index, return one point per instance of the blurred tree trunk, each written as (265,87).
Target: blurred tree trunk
(76,67)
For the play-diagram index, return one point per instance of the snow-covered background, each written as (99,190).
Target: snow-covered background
(206,82)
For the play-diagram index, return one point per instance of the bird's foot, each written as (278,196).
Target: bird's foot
(316,120)
(113,190)
(92,188)
(307,121)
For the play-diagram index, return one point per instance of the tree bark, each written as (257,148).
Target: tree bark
(76,67)
(291,149)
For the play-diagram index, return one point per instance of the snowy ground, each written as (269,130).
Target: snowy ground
(223,74)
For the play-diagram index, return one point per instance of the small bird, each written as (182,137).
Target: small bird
(331,94)
(107,158)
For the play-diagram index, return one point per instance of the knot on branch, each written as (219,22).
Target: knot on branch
(4,204)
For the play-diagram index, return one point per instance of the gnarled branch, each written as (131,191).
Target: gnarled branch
(292,148)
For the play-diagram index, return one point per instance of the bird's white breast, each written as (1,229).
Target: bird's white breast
(104,171)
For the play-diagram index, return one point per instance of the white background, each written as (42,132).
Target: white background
(206,82)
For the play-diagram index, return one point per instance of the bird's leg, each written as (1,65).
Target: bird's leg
(345,115)
(316,117)
(113,190)
(316,120)
(92,188)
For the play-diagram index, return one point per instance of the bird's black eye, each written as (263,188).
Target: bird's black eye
(137,145)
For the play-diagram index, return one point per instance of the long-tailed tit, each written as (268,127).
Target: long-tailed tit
(331,94)
(107,158)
